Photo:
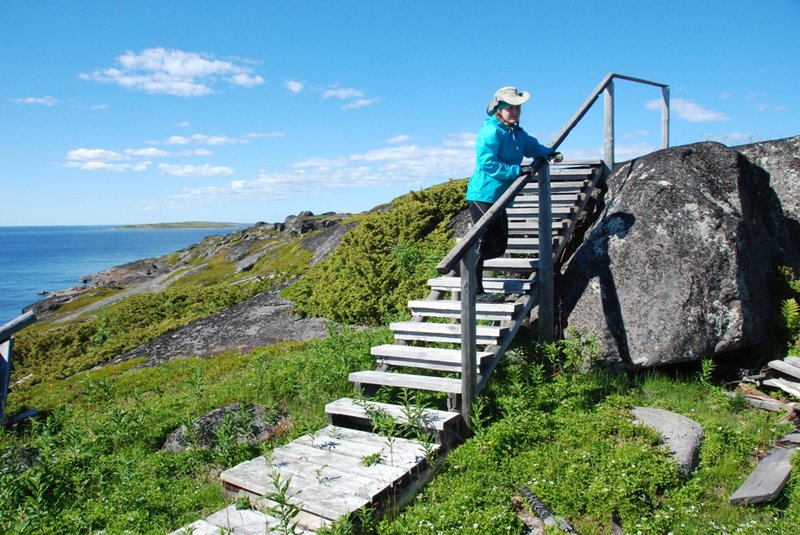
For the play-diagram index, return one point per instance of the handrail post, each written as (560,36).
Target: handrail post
(608,143)
(665,117)
(546,281)
(468,331)
(6,349)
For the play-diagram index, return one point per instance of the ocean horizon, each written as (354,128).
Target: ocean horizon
(35,260)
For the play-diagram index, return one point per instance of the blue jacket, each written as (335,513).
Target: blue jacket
(500,150)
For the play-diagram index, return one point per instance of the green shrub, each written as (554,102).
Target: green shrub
(384,261)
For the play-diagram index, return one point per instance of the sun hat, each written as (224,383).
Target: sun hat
(509,95)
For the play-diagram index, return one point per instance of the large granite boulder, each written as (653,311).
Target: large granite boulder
(781,159)
(681,263)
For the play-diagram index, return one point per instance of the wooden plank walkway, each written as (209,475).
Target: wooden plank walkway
(342,468)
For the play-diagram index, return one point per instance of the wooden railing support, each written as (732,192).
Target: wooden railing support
(546,282)
(6,351)
(608,126)
(469,280)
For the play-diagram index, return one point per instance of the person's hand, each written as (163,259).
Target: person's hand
(525,169)
(556,157)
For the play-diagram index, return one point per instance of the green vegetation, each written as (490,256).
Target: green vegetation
(568,436)
(384,261)
(543,422)
(790,311)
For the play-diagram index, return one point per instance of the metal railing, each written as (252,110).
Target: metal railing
(6,349)
(464,253)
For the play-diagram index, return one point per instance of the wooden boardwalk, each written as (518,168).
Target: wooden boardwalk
(347,467)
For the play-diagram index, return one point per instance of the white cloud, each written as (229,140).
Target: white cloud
(94,154)
(150,152)
(182,124)
(42,101)
(689,110)
(359,103)
(402,138)
(204,170)
(294,87)
(406,166)
(173,72)
(96,165)
(203,139)
(342,93)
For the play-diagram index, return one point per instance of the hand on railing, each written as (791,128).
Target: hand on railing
(556,157)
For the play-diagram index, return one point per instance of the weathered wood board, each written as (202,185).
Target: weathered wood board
(766,482)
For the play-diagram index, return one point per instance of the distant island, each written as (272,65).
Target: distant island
(181,224)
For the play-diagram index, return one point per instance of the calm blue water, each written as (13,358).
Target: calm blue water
(34,259)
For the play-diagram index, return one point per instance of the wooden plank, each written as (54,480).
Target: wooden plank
(402,380)
(496,285)
(794,361)
(444,332)
(17,324)
(346,441)
(433,358)
(787,386)
(244,521)
(430,419)
(295,452)
(6,350)
(452,309)
(255,477)
(785,367)
(520,265)
(766,482)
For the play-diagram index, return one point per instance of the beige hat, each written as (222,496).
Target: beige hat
(509,95)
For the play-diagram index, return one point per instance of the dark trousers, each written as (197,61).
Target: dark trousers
(494,241)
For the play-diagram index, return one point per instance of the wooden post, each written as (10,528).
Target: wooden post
(546,282)
(608,107)
(468,332)
(665,117)
(5,372)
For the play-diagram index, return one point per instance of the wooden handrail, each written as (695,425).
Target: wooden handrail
(449,262)
(17,324)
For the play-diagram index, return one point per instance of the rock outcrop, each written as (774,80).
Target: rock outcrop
(239,423)
(682,262)
(264,319)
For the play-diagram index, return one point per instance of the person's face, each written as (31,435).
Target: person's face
(510,113)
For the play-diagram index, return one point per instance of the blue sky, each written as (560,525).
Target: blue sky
(142,111)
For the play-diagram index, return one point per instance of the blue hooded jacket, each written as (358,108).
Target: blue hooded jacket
(500,150)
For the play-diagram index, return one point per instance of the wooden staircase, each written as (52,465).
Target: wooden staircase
(346,467)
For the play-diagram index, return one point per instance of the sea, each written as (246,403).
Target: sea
(36,260)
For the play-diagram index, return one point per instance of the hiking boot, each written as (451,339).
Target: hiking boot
(483,297)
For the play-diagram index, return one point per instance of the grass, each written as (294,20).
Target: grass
(99,434)
(568,436)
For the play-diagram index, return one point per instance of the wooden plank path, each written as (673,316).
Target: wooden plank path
(345,467)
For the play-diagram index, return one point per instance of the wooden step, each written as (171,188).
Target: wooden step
(444,332)
(431,358)
(452,309)
(533,212)
(507,286)
(249,521)
(514,265)
(444,425)
(402,380)
(564,186)
(533,199)
(254,478)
